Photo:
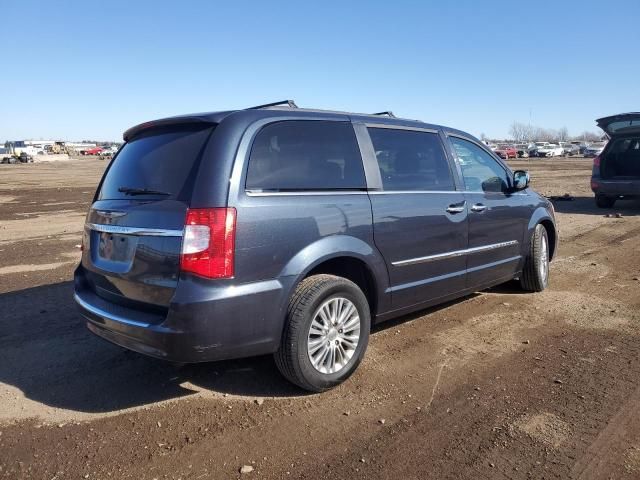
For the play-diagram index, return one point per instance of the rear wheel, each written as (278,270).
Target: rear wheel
(603,201)
(326,334)
(535,274)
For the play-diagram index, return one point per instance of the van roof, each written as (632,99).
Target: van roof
(278,109)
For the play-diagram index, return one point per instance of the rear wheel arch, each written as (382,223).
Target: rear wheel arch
(353,269)
(346,256)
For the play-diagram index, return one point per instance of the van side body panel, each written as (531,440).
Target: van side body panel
(280,238)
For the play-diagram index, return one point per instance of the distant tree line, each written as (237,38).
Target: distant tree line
(522,132)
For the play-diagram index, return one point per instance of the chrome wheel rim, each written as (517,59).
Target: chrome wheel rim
(544,259)
(334,335)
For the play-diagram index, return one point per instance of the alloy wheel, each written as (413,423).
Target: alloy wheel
(333,335)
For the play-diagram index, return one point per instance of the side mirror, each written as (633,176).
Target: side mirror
(520,180)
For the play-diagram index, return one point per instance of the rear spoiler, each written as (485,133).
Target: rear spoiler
(204,119)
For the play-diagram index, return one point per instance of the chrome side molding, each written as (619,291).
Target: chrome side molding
(154,232)
(453,254)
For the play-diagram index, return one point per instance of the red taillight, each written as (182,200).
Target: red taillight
(596,161)
(209,242)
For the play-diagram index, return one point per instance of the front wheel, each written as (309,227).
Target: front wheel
(326,334)
(535,274)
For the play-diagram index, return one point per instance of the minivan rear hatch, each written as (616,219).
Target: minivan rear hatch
(133,232)
(620,124)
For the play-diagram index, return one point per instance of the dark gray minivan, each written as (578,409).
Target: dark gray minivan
(616,171)
(287,231)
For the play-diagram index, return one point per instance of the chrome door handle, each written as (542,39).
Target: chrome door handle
(478,207)
(456,208)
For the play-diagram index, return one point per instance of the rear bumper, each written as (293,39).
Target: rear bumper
(213,324)
(626,188)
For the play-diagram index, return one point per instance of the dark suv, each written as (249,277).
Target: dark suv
(289,231)
(616,171)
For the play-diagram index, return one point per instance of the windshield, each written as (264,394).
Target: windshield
(159,164)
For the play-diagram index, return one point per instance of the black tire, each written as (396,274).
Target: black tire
(292,358)
(603,201)
(534,277)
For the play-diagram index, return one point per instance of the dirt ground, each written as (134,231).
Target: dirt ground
(500,384)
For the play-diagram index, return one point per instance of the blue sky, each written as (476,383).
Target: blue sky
(91,69)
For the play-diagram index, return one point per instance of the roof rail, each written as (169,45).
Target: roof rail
(388,113)
(289,103)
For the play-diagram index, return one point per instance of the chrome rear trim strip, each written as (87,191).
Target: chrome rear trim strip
(109,316)
(453,254)
(154,232)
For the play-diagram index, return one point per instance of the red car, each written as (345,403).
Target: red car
(92,151)
(506,151)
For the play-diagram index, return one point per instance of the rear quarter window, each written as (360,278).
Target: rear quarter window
(304,155)
(163,161)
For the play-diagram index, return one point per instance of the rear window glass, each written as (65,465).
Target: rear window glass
(162,162)
(411,160)
(622,125)
(305,155)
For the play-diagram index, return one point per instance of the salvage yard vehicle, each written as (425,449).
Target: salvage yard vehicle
(550,150)
(522,150)
(616,169)
(91,151)
(6,155)
(569,149)
(24,157)
(9,155)
(58,148)
(289,231)
(594,149)
(506,151)
(108,152)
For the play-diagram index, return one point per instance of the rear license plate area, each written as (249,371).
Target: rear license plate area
(113,252)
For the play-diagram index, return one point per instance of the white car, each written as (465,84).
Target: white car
(550,150)
(108,152)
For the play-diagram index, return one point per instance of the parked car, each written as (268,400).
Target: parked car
(569,149)
(108,152)
(287,231)
(550,150)
(582,147)
(522,150)
(91,151)
(593,150)
(506,151)
(616,169)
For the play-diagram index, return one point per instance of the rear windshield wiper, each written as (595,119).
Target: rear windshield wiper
(141,191)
